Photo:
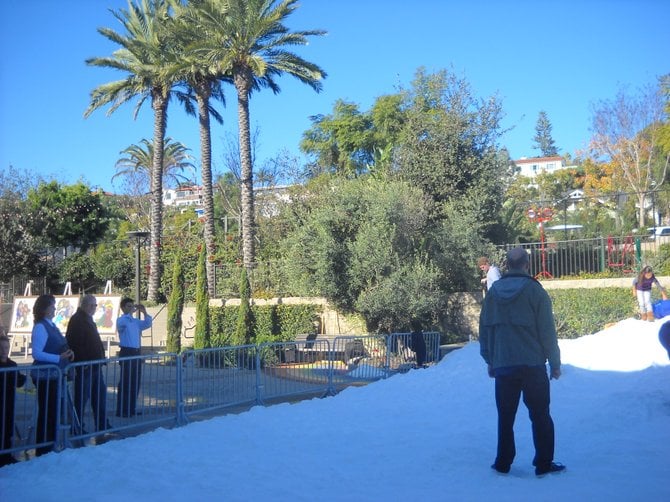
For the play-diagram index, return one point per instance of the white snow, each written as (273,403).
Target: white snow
(429,434)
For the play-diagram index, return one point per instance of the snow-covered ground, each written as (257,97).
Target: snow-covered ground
(425,435)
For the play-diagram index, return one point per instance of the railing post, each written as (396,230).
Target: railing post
(181,418)
(62,397)
(259,397)
(602,254)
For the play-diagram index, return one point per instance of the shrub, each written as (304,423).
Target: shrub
(268,323)
(175,308)
(584,311)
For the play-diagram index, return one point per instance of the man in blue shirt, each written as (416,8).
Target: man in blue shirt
(130,342)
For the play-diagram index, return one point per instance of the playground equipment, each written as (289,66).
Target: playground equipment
(541,216)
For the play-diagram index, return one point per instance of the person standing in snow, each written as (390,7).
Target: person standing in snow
(89,383)
(130,343)
(642,291)
(418,342)
(492,272)
(517,336)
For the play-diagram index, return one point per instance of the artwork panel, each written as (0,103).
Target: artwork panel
(65,307)
(106,314)
(22,314)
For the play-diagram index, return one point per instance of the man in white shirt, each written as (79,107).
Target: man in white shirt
(130,342)
(492,272)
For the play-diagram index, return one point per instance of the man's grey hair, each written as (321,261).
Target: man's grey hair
(87,300)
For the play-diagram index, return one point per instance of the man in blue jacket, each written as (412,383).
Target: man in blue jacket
(517,336)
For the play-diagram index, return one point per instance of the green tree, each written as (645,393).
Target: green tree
(175,308)
(339,143)
(202,337)
(543,139)
(78,269)
(113,262)
(357,241)
(449,146)
(349,142)
(145,55)
(19,248)
(68,215)
(249,43)
(244,327)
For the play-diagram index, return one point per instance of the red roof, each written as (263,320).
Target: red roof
(535,160)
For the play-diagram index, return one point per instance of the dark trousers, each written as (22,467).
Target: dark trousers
(7,397)
(47,409)
(89,383)
(129,383)
(419,347)
(533,383)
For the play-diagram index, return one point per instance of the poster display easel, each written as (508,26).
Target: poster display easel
(105,316)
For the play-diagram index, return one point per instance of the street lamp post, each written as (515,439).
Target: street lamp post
(140,236)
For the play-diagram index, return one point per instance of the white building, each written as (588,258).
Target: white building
(183,196)
(533,166)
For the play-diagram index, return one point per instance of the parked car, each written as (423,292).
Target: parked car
(659,233)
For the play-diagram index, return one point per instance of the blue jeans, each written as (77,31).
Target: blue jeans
(533,383)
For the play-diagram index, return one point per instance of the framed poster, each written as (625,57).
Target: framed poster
(65,307)
(22,314)
(106,313)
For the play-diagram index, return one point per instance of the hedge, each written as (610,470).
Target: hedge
(269,323)
(588,310)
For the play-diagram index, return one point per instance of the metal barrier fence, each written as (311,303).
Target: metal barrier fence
(91,402)
(618,255)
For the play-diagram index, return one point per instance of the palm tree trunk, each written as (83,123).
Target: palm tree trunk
(159,105)
(247,194)
(206,159)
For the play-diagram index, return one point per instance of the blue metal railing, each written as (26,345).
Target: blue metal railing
(174,389)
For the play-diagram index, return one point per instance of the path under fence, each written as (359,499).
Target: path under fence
(95,401)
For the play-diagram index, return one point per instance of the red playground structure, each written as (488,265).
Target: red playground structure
(541,216)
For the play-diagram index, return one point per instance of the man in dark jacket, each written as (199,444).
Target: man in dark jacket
(517,336)
(84,340)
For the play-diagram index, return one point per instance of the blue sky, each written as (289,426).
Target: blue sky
(557,56)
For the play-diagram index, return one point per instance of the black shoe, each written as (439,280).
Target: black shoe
(553,468)
(502,469)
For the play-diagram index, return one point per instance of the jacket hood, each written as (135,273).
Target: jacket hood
(511,285)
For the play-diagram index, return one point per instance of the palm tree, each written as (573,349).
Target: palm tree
(144,55)
(247,41)
(137,159)
(204,81)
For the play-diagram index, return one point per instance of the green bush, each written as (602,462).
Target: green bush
(264,324)
(584,311)
(269,323)
(224,320)
(296,319)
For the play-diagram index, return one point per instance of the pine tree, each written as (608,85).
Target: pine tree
(243,330)
(175,307)
(543,140)
(202,329)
